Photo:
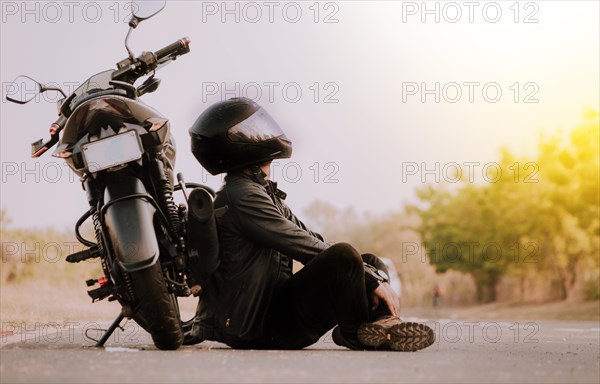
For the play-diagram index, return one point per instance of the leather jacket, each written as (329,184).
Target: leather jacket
(258,236)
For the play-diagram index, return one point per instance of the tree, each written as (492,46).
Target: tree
(538,215)
(571,231)
(459,231)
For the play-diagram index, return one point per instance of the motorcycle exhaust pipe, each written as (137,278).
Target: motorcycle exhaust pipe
(202,235)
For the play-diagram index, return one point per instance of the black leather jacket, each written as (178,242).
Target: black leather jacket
(258,236)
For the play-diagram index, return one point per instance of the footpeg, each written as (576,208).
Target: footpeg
(105,290)
(84,255)
(100,293)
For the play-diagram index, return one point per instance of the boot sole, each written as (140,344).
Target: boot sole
(406,337)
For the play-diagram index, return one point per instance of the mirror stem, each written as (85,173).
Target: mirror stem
(131,56)
(43,88)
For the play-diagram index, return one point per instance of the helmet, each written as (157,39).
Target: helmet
(235,134)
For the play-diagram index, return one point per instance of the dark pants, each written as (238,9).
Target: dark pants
(328,291)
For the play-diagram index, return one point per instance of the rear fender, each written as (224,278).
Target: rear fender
(128,218)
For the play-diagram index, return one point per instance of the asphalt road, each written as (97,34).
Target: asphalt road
(464,352)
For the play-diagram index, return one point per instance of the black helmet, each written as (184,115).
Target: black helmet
(237,133)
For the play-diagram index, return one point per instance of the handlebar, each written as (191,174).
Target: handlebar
(130,70)
(178,48)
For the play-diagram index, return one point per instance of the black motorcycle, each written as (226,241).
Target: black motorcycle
(123,152)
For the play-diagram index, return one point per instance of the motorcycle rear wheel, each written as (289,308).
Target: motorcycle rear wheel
(157,311)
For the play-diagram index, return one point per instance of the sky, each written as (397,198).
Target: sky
(378,97)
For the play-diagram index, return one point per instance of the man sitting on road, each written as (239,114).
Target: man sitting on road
(253,300)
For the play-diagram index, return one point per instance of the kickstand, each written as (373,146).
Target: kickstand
(110,330)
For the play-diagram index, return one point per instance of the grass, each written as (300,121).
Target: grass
(558,310)
(44,302)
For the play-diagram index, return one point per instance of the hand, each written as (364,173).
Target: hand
(385,292)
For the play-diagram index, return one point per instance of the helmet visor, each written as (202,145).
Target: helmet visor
(257,128)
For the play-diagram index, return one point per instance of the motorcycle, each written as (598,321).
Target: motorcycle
(122,150)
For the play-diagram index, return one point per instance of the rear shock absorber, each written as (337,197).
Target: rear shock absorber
(99,239)
(165,195)
(106,287)
(98,230)
(166,202)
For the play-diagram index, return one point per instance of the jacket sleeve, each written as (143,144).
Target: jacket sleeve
(372,283)
(261,220)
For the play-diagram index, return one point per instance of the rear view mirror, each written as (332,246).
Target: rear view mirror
(22,90)
(143,10)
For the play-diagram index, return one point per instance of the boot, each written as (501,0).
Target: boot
(390,333)
(343,341)
(190,332)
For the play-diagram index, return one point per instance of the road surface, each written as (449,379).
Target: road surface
(464,352)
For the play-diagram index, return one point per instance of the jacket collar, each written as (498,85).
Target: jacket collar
(270,187)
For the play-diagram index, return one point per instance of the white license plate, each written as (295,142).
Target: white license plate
(112,151)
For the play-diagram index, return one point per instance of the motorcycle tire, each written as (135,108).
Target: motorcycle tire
(157,311)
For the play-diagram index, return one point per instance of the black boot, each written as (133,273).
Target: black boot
(191,330)
(191,333)
(348,342)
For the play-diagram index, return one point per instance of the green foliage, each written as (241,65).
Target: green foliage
(537,215)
